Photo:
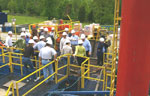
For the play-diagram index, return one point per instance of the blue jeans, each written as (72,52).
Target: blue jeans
(27,62)
(47,71)
(65,63)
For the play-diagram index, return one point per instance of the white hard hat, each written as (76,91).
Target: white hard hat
(41,28)
(64,33)
(53,28)
(83,36)
(49,38)
(67,41)
(80,42)
(28,34)
(73,31)
(35,38)
(118,29)
(27,30)
(23,29)
(66,29)
(31,41)
(10,32)
(22,34)
(101,39)
(42,37)
(45,29)
(49,42)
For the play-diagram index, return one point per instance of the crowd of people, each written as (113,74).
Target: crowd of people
(44,41)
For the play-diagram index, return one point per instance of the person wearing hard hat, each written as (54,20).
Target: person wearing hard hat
(34,31)
(66,50)
(80,51)
(28,35)
(41,30)
(21,43)
(52,34)
(87,45)
(46,55)
(45,33)
(8,41)
(23,30)
(74,40)
(28,53)
(40,44)
(100,51)
(67,31)
(63,40)
(35,38)
(50,40)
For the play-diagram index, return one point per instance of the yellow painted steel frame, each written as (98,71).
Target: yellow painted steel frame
(88,74)
(114,46)
(55,73)
(11,86)
(106,85)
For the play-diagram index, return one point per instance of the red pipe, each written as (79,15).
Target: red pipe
(134,57)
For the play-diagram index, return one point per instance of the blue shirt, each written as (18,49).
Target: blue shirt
(39,45)
(87,45)
(27,40)
(74,40)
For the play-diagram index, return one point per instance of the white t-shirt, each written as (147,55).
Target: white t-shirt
(8,41)
(47,52)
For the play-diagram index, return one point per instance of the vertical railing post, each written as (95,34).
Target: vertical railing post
(10,61)
(68,65)
(56,71)
(21,65)
(17,90)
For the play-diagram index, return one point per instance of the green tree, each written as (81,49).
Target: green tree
(82,14)
(12,6)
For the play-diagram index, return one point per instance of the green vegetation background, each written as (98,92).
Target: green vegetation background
(88,11)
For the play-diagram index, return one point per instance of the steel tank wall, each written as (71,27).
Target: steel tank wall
(134,57)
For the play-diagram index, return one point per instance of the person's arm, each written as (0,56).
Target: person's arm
(76,51)
(84,51)
(61,44)
(32,52)
(6,43)
(90,47)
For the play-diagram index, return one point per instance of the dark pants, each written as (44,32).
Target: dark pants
(28,66)
(80,60)
(100,59)
(87,54)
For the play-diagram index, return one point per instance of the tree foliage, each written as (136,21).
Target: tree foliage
(98,11)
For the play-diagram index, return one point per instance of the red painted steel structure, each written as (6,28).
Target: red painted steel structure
(134,57)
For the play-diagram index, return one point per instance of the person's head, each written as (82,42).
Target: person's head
(80,42)
(49,43)
(10,33)
(53,29)
(42,38)
(64,34)
(23,35)
(67,42)
(42,29)
(83,37)
(34,26)
(46,30)
(101,40)
(73,32)
(28,35)
(23,30)
(67,30)
(35,38)
(31,42)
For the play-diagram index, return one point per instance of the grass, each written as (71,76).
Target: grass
(25,19)
(21,19)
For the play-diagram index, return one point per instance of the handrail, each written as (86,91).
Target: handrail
(11,86)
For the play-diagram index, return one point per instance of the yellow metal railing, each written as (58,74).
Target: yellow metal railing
(11,86)
(83,67)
